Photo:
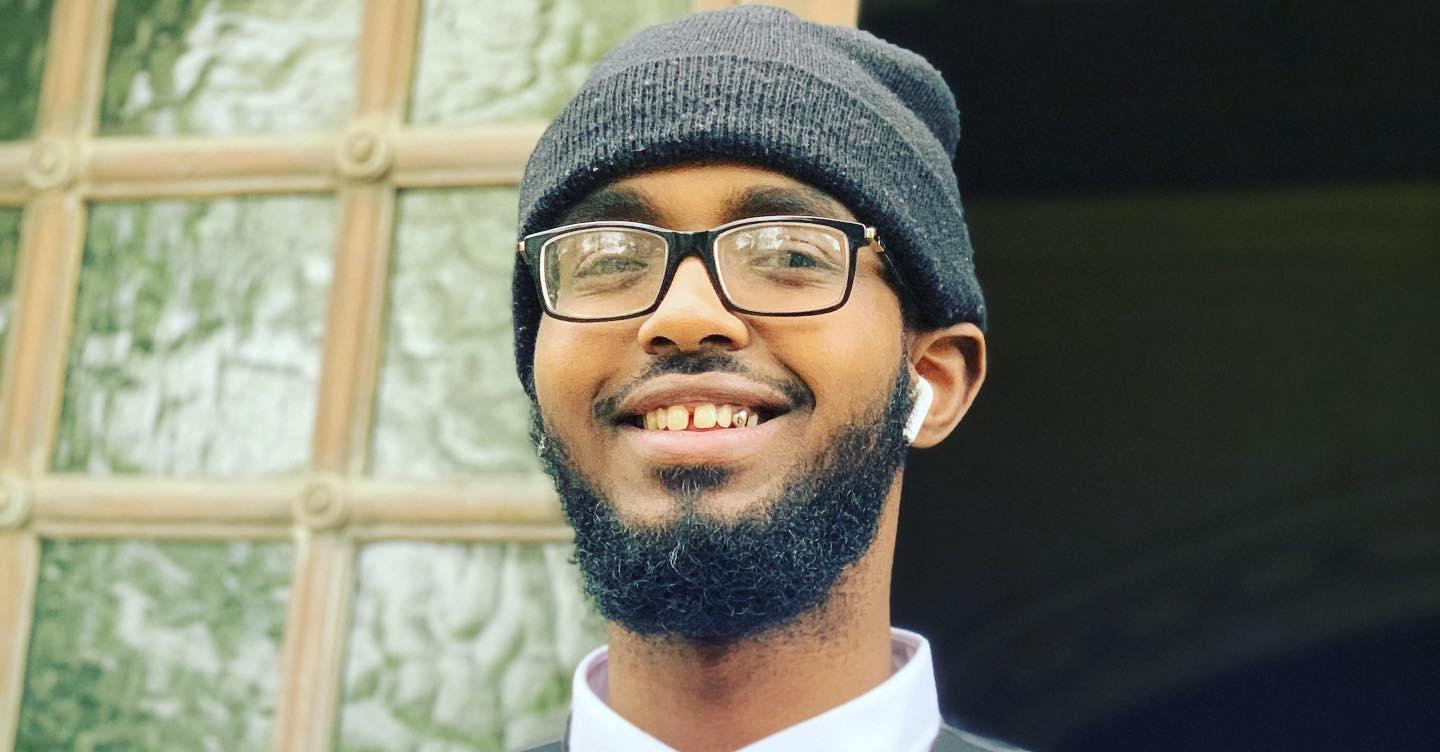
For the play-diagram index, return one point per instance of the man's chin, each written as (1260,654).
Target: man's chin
(688,483)
(691,493)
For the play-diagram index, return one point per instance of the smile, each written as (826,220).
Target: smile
(705,416)
(700,402)
(702,446)
(701,418)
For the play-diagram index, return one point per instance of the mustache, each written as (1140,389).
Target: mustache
(792,387)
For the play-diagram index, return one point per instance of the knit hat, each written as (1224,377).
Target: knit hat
(868,122)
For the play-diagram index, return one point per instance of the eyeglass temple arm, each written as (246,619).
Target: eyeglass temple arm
(891,266)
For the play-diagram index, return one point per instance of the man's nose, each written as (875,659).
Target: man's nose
(692,316)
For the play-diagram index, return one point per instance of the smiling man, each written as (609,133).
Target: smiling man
(744,286)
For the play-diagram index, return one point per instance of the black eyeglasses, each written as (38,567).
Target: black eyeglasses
(765,266)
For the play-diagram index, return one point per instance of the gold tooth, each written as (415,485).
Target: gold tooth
(739,418)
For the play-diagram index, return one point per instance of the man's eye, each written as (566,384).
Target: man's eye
(791,259)
(609,263)
(798,260)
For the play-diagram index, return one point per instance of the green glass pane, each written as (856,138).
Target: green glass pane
(210,67)
(148,646)
(24,30)
(463,647)
(9,254)
(196,347)
(449,402)
(498,60)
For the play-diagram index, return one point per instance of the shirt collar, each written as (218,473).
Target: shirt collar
(902,713)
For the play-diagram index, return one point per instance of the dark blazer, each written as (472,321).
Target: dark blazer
(950,739)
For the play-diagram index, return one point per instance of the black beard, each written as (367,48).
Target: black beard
(713,581)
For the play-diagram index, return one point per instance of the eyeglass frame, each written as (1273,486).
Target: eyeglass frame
(701,244)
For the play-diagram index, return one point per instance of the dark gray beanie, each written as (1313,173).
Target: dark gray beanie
(868,122)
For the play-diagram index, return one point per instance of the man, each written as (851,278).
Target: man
(744,284)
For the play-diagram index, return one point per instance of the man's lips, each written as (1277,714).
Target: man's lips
(684,415)
(703,447)
(693,400)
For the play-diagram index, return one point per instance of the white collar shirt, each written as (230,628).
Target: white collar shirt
(902,713)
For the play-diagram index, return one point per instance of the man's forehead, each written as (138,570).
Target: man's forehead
(725,192)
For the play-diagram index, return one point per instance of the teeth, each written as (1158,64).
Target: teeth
(702,416)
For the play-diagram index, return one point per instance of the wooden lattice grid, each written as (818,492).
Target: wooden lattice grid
(328,511)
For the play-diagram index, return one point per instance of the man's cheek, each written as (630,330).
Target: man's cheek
(558,381)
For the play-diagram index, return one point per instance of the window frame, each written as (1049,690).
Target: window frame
(333,508)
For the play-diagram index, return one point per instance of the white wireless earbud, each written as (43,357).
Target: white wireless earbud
(924,395)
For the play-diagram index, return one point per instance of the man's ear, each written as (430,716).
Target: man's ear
(952,359)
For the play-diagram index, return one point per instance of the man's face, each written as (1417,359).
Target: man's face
(807,375)
(830,391)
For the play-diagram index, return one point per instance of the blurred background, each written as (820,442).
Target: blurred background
(1197,505)
(264,481)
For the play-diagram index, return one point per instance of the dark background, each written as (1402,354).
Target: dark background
(1197,505)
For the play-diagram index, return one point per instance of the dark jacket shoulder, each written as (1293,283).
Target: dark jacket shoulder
(952,739)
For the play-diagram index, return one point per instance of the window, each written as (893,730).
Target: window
(264,480)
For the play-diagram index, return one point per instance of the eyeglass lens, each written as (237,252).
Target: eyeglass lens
(780,267)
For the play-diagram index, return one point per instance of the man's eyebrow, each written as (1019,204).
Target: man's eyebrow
(765,200)
(612,203)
